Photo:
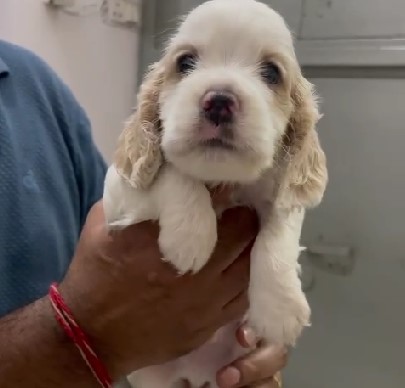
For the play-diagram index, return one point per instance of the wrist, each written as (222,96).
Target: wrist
(66,348)
(77,314)
(89,313)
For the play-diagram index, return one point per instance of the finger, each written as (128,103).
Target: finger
(221,195)
(96,214)
(139,236)
(268,383)
(274,382)
(259,365)
(236,229)
(240,264)
(96,222)
(235,308)
(235,278)
(148,228)
(95,225)
(246,337)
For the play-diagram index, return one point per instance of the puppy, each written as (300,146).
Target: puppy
(226,104)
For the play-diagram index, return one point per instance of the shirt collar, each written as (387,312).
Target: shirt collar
(4,70)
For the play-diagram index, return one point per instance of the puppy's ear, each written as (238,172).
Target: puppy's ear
(306,174)
(138,156)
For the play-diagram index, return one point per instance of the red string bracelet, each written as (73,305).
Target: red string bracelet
(66,321)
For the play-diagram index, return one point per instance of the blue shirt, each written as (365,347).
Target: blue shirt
(50,175)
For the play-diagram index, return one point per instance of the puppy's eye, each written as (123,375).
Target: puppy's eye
(271,73)
(186,63)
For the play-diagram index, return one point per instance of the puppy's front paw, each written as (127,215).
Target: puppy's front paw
(184,255)
(280,319)
(189,245)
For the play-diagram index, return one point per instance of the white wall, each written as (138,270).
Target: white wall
(98,62)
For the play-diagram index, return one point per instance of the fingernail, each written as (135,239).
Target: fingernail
(250,336)
(230,377)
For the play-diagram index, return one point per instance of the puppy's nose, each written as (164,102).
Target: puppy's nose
(219,106)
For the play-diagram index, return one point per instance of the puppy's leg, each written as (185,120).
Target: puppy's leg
(187,220)
(183,207)
(278,307)
(123,204)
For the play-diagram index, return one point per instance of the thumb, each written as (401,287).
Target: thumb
(237,229)
(221,196)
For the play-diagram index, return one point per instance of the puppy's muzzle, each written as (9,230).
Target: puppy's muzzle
(219,107)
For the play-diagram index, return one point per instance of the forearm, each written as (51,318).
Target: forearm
(34,352)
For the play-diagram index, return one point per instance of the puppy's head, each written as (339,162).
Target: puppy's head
(225,103)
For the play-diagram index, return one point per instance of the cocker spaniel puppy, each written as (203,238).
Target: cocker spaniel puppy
(226,104)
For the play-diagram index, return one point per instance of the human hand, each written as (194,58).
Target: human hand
(135,307)
(259,369)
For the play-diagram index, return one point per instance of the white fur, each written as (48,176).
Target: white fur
(166,201)
(230,36)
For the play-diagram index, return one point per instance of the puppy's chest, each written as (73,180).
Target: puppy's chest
(260,195)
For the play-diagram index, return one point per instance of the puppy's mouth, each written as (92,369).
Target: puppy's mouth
(216,136)
(217,143)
